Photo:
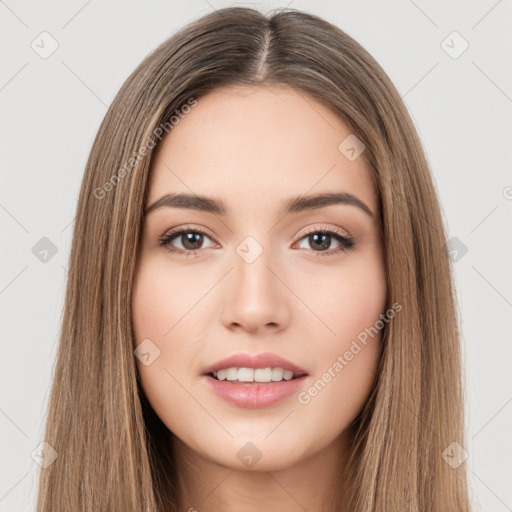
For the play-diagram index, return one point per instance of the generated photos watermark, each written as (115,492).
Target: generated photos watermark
(305,397)
(158,132)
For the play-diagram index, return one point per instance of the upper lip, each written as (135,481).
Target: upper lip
(264,360)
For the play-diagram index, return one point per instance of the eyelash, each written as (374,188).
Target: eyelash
(346,242)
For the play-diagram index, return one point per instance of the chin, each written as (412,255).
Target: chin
(252,453)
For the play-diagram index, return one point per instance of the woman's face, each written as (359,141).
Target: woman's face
(256,274)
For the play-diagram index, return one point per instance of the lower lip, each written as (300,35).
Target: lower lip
(254,395)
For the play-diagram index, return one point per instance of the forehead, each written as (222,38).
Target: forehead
(254,146)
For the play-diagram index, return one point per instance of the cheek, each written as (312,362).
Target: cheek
(151,304)
(161,301)
(169,310)
(350,306)
(162,327)
(353,308)
(350,301)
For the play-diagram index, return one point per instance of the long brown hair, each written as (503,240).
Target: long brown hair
(113,451)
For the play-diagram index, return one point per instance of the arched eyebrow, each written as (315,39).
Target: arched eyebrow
(292,205)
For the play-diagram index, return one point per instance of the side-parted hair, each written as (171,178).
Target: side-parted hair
(113,451)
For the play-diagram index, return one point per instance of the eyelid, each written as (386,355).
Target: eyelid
(315,228)
(189,227)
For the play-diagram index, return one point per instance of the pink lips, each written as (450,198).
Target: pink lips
(254,394)
(264,360)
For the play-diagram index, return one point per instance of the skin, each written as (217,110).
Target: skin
(254,148)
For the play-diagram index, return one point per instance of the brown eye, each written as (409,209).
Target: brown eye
(191,241)
(320,240)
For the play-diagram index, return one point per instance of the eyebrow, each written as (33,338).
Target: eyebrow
(292,205)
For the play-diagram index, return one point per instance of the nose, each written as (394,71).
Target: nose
(255,297)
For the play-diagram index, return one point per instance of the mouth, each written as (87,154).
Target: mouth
(254,388)
(254,381)
(252,376)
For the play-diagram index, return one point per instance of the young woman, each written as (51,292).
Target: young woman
(260,311)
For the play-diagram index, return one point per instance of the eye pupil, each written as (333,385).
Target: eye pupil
(193,239)
(323,236)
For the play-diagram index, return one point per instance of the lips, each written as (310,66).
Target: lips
(254,395)
(264,360)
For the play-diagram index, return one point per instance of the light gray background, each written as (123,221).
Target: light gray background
(52,108)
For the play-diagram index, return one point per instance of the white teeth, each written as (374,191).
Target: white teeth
(246,374)
(263,374)
(253,375)
(221,374)
(231,374)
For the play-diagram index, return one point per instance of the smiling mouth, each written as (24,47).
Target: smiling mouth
(254,388)
(254,376)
